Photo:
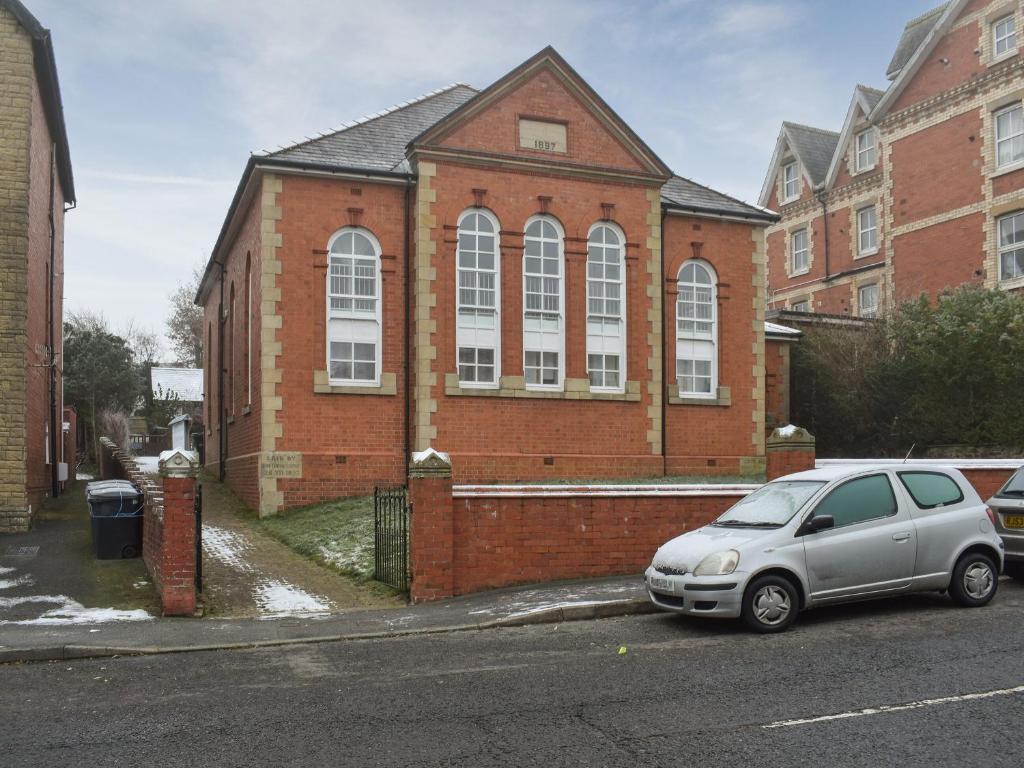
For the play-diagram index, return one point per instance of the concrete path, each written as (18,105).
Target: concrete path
(246,573)
(566,601)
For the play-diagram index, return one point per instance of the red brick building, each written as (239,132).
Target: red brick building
(36,185)
(922,189)
(510,275)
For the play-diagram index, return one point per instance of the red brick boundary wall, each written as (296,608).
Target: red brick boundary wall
(169,525)
(468,538)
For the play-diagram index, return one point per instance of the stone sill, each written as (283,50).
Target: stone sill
(866,254)
(723,400)
(1019,165)
(1013,284)
(322,386)
(515,387)
(247,410)
(231,419)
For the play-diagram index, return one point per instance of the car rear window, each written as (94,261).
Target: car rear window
(931,489)
(1014,486)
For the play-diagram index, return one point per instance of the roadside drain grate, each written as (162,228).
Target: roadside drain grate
(26,552)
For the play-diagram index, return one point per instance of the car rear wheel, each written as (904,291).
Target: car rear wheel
(770,604)
(975,580)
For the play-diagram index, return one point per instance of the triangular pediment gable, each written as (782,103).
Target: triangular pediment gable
(543,111)
(858,117)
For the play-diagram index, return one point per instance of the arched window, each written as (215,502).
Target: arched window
(248,329)
(543,300)
(353,308)
(606,308)
(478,330)
(231,351)
(697,331)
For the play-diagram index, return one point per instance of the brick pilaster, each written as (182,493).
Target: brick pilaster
(431,529)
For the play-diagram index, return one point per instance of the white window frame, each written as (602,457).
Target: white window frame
(604,343)
(871,231)
(861,162)
(804,305)
(550,340)
(690,340)
(806,250)
(1007,248)
(786,181)
(1016,106)
(368,324)
(870,310)
(998,39)
(473,334)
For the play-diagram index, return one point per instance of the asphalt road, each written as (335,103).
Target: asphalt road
(685,693)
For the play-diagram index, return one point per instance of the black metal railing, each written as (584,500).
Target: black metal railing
(199,537)
(391,511)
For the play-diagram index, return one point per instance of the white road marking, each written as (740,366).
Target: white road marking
(885,709)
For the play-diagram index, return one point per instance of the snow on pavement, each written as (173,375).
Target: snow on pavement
(68,611)
(278,598)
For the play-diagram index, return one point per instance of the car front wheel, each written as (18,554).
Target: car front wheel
(975,580)
(770,604)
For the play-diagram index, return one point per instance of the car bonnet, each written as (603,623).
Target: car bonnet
(684,553)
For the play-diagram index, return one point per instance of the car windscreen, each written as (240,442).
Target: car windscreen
(1014,486)
(772,505)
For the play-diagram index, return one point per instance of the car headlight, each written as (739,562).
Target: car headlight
(718,564)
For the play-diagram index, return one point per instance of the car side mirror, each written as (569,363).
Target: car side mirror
(816,523)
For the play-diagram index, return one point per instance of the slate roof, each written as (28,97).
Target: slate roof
(187,383)
(914,33)
(684,194)
(815,148)
(377,143)
(871,95)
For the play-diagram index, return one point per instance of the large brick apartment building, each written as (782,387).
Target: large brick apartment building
(923,187)
(509,275)
(35,186)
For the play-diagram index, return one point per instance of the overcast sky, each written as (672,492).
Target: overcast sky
(165,99)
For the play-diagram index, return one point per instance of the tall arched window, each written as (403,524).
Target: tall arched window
(697,331)
(478,328)
(231,351)
(248,329)
(606,308)
(543,301)
(353,308)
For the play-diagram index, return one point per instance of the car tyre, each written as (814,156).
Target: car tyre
(770,604)
(975,580)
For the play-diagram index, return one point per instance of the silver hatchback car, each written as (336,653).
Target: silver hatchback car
(1008,505)
(833,535)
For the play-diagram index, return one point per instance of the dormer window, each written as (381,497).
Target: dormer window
(866,150)
(790,182)
(1004,36)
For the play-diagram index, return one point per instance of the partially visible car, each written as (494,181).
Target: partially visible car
(1008,506)
(833,535)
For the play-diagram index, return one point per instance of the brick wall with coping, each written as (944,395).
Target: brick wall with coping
(169,525)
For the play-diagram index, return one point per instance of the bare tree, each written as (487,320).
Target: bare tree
(185,325)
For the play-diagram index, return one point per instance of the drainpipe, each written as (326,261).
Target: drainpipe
(664,353)
(407,417)
(51,302)
(223,435)
(823,199)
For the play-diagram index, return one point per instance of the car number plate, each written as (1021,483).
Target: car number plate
(1014,521)
(664,584)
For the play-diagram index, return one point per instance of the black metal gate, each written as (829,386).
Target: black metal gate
(391,511)
(199,537)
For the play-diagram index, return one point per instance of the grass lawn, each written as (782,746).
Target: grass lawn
(338,534)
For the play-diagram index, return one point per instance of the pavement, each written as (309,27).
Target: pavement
(550,603)
(910,681)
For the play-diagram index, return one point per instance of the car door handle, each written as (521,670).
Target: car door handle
(901,536)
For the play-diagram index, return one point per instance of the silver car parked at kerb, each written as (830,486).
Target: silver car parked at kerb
(833,535)
(1008,505)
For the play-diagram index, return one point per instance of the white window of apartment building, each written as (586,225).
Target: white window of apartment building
(790,182)
(800,306)
(867,150)
(697,331)
(543,299)
(606,307)
(1009,135)
(799,253)
(1004,35)
(353,308)
(478,317)
(867,300)
(1011,246)
(867,231)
